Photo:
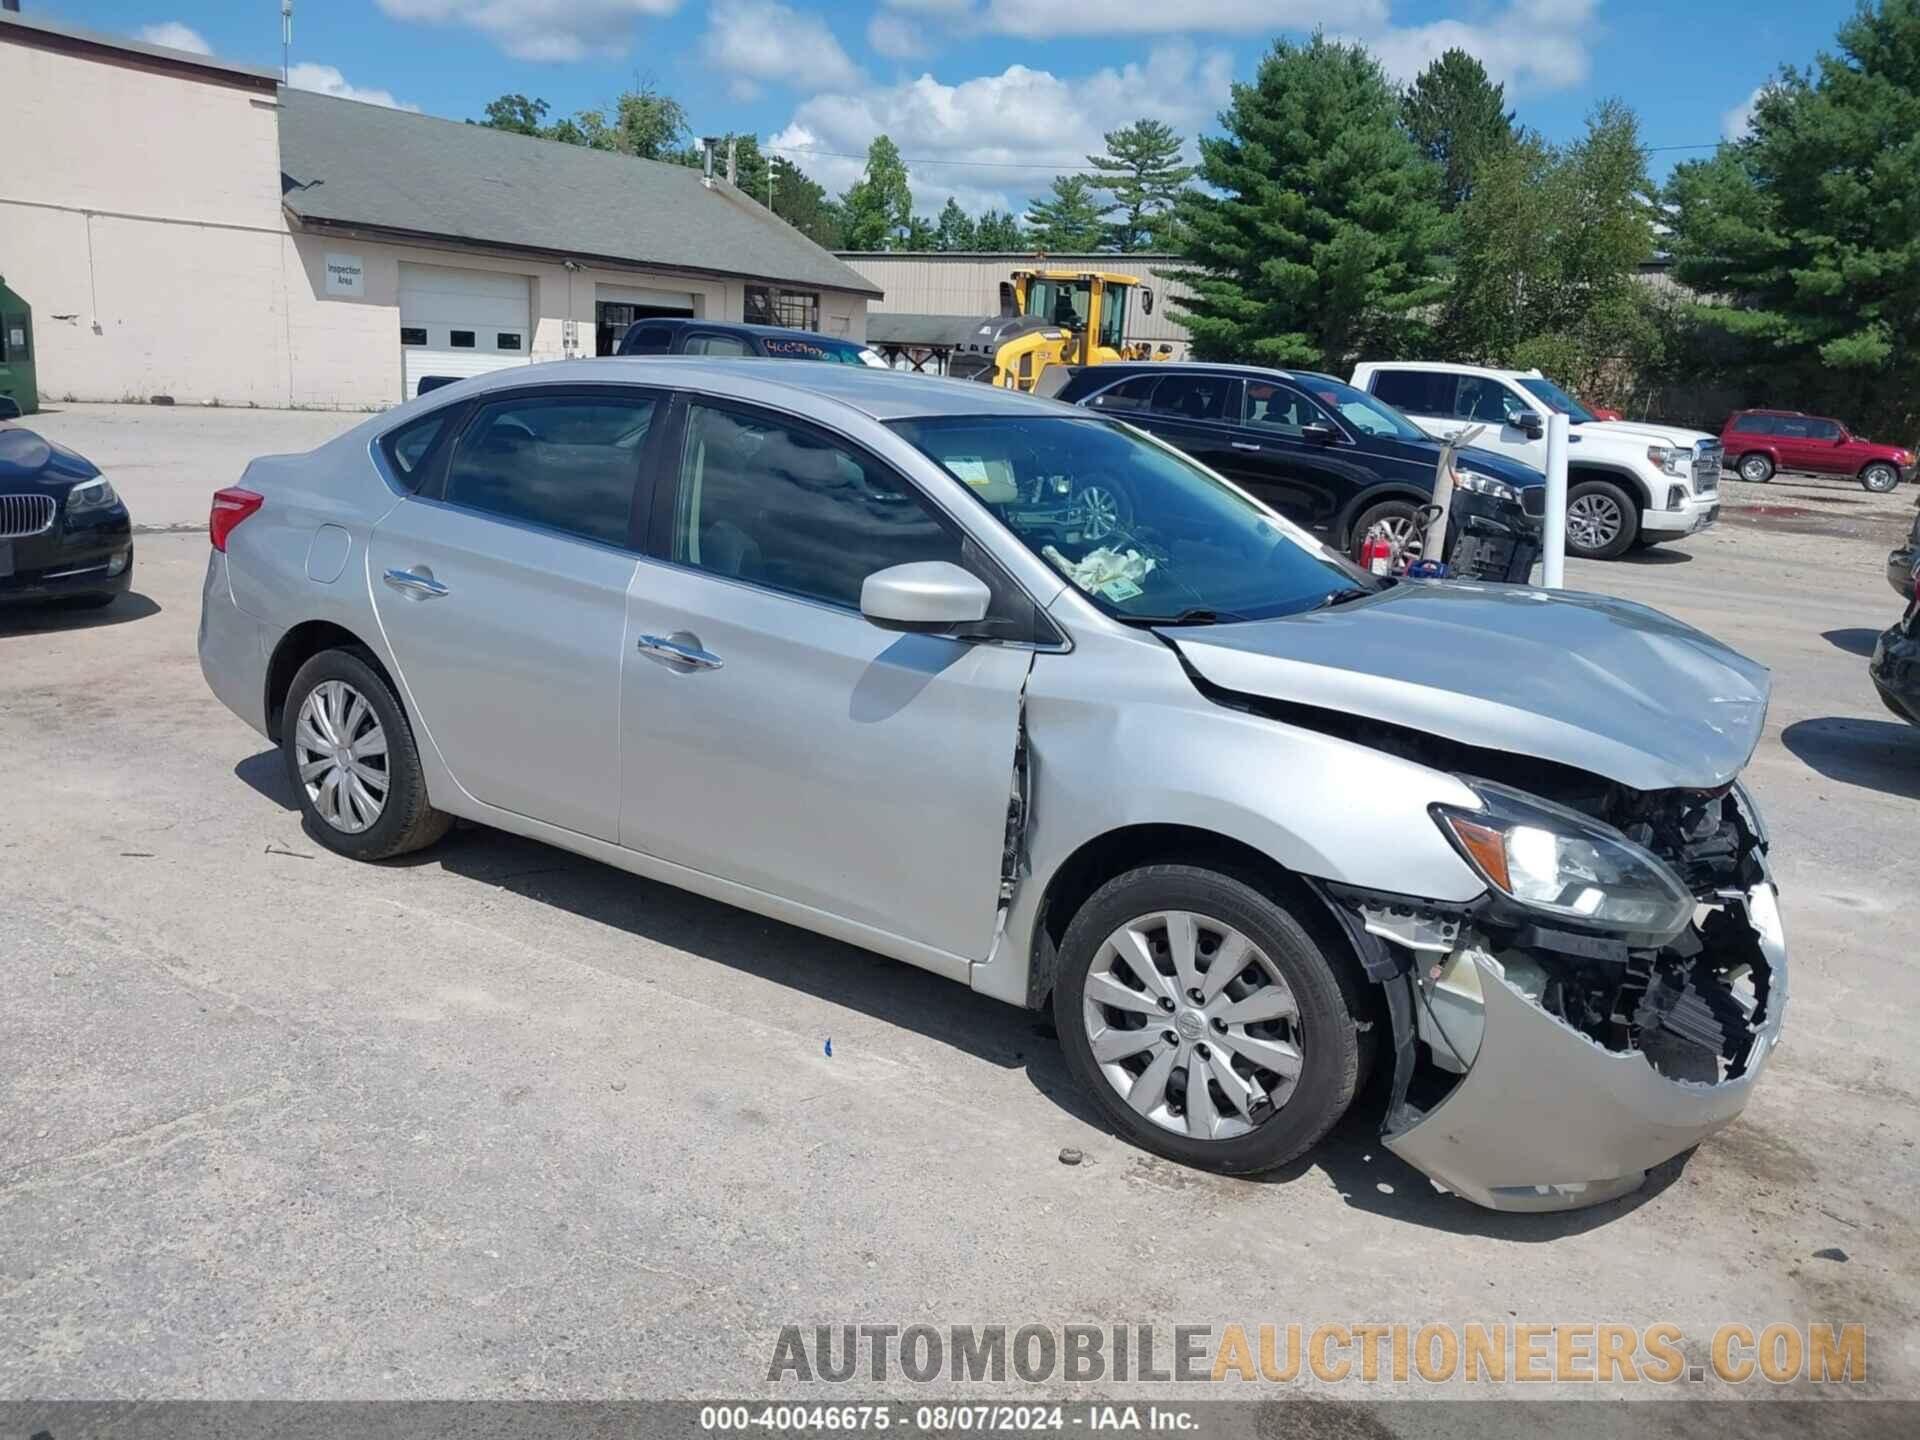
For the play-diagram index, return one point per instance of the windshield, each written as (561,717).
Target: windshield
(1058,302)
(1135,525)
(1359,409)
(1557,399)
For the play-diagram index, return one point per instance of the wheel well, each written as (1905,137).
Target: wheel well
(1881,460)
(300,645)
(1627,481)
(1118,851)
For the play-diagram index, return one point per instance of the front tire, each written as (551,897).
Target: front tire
(1880,478)
(1399,521)
(1207,1024)
(1756,469)
(1602,520)
(351,758)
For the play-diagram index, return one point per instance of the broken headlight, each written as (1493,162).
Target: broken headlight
(1563,864)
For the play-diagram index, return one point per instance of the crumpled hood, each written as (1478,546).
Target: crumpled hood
(1601,684)
(1642,431)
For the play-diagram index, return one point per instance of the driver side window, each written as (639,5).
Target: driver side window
(1484,400)
(1282,409)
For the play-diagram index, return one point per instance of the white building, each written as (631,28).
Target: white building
(186,228)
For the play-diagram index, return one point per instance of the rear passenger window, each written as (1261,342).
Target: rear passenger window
(1194,397)
(407,447)
(648,340)
(1753,425)
(566,462)
(1418,392)
(1135,394)
(782,507)
(716,345)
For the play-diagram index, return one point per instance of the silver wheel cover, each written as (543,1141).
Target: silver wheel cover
(1192,1025)
(1594,521)
(1099,508)
(1754,468)
(341,750)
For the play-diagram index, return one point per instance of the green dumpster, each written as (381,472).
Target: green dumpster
(16,351)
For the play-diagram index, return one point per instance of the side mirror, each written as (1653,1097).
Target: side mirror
(1319,434)
(9,408)
(1146,301)
(1528,423)
(924,597)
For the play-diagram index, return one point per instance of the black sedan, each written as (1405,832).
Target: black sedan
(64,533)
(1328,457)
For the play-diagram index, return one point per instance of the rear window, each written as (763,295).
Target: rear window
(1418,392)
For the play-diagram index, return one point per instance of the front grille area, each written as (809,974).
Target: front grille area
(1706,468)
(23,515)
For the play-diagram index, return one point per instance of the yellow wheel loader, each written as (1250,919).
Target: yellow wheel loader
(1049,320)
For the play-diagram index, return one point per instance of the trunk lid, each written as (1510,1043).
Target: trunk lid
(1600,684)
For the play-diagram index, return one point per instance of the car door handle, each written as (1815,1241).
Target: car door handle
(1244,445)
(671,650)
(413,584)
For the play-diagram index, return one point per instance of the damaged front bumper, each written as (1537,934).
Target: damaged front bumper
(1546,1118)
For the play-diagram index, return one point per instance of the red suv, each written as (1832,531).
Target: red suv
(1759,442)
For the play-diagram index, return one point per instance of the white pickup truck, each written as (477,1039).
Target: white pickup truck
(1627,483)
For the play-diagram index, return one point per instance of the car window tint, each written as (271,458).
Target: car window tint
(1753,425)
(407,447)
(1791,427)
(783,507)
(648,340)
(716,345)
(1823,430)
(1418,392)
(1281,408)
(1192,397)
(1485,400)
(569,463)
(1134,394)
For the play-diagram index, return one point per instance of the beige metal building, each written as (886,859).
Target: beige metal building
(184,227)
(966,285)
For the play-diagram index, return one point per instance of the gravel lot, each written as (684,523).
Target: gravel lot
(507,1123)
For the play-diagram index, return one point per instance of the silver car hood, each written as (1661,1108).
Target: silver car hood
(1601,684)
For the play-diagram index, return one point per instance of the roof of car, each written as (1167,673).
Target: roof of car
(875,393)
(1451,367)
(1198,367)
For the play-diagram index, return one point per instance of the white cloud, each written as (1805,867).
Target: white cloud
(175,36)
(1737,123)
(762,41)
(895,37)
(327,80)
(540,29)
(1529,45)
(1165,17)
(1019,118)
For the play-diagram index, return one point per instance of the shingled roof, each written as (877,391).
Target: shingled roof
(347,163)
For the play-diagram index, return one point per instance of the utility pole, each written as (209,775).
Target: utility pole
(286,36)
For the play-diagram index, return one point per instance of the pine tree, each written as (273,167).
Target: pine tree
(1458,117)
(956,231)
(1141,170)
(1812,225)
(998,230)
(1069,220)
(878,205)
(1318,235)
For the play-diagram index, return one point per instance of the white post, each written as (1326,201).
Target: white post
(1553,562)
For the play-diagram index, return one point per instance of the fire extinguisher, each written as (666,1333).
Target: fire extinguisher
(1376,554)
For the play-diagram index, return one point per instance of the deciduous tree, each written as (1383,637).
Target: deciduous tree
(877,207)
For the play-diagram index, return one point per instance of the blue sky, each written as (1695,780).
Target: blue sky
(987,98)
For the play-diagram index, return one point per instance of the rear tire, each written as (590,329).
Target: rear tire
(1756,469)
(1287,1001)
(1602,520)
(1880,477)
(376,806)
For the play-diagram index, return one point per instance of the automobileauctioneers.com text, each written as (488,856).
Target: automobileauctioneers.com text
(1559,1352)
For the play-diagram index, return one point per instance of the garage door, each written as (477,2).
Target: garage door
(460,322)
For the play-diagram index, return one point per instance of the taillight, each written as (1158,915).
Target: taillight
(230,507)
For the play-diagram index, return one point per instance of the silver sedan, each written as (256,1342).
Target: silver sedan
(846,649)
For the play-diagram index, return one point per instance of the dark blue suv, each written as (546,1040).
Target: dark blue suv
(1327,456)
(685,336)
